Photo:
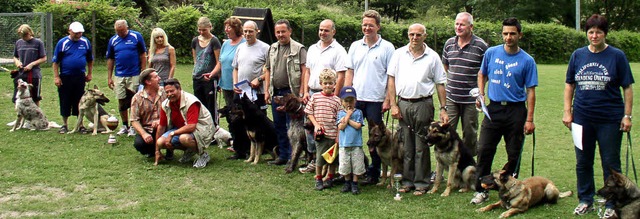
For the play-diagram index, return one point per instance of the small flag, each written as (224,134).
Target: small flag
(331,153)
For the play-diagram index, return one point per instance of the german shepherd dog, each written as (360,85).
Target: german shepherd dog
(293,106)
(26,109)
(390,149)
(451,154)
(260,130)
(624,193)
(90,106)
(241,141)
(518,196)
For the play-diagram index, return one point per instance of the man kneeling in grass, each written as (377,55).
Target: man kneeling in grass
(192,135)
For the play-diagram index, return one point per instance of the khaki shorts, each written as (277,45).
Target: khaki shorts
(122,83)
(351,161)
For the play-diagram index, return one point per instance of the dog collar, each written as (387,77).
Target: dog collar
(22,98)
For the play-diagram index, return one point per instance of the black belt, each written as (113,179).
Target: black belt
(506,103)
(413,100)
(281,89)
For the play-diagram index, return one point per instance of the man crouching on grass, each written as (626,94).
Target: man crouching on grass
(192,135)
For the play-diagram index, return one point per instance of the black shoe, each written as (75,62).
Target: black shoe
(338,180)
(328,183)
(279,162)
(169,155)
(346,187)
(354,188)
(63,130)
(319,184)
(369,181)
(236,157)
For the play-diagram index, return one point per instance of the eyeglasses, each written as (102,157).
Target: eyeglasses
(416,34)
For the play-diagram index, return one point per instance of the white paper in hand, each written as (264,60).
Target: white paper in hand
(246,90)
(576,132)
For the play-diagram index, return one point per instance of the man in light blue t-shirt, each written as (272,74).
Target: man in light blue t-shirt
(512,77)
(126,52)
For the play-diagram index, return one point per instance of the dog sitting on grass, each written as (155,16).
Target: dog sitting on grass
(26,109)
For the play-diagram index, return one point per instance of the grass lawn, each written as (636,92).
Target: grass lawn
(45,174)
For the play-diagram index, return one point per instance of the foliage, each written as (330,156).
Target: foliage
(180,24)
(628,41)
(103,13)
(19,6)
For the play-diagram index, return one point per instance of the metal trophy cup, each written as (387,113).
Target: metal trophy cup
(397,177)
(475,92)
(112,124)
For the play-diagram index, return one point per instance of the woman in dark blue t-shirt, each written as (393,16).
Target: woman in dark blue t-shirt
(600,113)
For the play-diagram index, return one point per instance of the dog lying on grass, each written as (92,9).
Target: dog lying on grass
(624,193)
(518,196)
(453,156)
(26,109)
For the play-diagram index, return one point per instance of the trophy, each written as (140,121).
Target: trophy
(397,177)
(112,124)
(475,92)
(600,206)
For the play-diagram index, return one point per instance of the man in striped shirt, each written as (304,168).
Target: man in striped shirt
(462,56)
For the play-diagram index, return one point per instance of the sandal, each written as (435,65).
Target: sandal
(420,191)
(405,189)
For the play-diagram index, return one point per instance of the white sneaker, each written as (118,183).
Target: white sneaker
(584,208)
(202,160)
(479,197)
(11,123)
(132,132)
(609,213)
(123,131)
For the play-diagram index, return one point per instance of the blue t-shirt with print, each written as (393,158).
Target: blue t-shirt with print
(598,78)
(227,53)
(72,56)
(126,53)
(349,136)
(509,74)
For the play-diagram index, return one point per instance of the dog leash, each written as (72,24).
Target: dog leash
(533,155)
(630,153)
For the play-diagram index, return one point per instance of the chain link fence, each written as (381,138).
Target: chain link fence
(9,23)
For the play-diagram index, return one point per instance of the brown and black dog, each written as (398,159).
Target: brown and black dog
(624,193)
(260,130)
(294,107)
(518,196)
(90,107)
(390,149)
(451,154)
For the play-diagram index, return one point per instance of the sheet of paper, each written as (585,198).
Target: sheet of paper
(484,108)
(576,132)
(246,90)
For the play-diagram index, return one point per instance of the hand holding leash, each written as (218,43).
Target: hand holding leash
(625,124)
(529,127)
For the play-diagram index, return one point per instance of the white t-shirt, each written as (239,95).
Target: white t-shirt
(332,57)
(416,77)
(370,68)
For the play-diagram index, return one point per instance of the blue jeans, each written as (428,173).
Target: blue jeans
(281,120)
(175,140)
(609,138)
(311,141)
(372,112)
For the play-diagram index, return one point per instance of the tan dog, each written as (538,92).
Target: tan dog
(390,149)
(518,196)
(451,154)
(624,193)
(89,107)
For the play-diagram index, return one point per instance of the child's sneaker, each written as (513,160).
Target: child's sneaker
(354,188)
(583,208)
(328,183)
(319,185)
(346,187)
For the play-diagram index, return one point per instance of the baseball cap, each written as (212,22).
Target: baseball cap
(76,27)
(347,91)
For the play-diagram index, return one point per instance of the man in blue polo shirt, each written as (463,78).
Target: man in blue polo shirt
(127,52)
(513,76)
(71,58)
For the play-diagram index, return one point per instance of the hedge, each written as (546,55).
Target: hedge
(547,43)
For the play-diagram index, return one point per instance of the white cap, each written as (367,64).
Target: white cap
(76,27)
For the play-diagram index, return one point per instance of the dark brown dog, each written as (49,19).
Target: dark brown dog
(624,193)
(451,154)
(294,107)
(389,148)
(518,196)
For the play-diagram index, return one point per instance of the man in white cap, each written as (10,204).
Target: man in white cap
(71,59)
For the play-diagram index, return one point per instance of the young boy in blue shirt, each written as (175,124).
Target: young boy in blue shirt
(351,155)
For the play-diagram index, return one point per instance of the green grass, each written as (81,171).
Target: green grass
(45,174)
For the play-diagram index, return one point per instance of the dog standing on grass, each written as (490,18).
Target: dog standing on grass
(518,196)
(451,154)
(624,193)
(260,130)
(294,107)
(90,107)
(26,109)
(390,149)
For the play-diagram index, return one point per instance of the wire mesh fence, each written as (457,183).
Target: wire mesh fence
(9,23)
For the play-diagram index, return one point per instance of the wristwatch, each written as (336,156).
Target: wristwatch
(172,133)
(445,108)
(628,116)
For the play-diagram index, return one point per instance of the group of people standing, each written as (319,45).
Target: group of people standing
(401,80)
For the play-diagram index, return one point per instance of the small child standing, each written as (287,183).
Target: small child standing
(350,122)
(322,110)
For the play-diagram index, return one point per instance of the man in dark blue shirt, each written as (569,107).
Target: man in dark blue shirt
(126,52)
(71,57)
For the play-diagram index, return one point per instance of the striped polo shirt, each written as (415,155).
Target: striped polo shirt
(325,109)
(464,64)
